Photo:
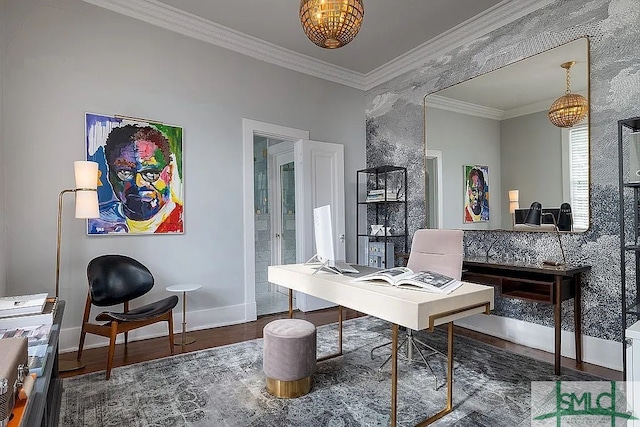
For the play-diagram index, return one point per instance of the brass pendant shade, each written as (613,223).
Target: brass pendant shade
(570,108)
(331,24)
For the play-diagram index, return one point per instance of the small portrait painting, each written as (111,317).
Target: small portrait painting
(476,193)
(140,175)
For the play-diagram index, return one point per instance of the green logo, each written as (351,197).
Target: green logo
(580,400)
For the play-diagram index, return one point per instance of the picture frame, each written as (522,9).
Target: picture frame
(140,188)
(475,193)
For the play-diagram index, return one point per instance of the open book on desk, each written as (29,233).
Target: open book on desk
(406,278)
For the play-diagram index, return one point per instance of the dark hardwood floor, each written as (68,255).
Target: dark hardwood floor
(139,351)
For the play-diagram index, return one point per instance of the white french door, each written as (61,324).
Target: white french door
(319,169)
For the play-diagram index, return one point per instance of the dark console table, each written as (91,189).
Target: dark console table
(537,283)
(43,406)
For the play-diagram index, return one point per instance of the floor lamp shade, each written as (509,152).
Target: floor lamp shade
(86,174)
(87,204)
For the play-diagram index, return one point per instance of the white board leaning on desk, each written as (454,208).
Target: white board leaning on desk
(403,277)
(324,240)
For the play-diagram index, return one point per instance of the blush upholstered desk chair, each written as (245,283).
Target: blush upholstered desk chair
(436,250)
(117,279)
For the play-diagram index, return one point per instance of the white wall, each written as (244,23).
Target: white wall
(475,143)
(65,57)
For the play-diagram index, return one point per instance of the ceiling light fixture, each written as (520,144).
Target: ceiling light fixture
(570,108)
(331,24)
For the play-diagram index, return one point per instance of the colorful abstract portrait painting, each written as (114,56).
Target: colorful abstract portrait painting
(140,187)
(476,193)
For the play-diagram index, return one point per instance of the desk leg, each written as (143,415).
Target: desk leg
(394,374)
(449,406)
(339,352)
(558,322)
(290,303)
(577,318)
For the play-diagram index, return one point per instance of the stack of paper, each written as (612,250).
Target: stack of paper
(21,320)
(22,304)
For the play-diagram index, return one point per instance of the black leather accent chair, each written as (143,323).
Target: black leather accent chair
(118,279)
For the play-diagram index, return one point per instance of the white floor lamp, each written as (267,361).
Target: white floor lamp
(86,192)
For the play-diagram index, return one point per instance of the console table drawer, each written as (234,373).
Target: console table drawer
(533,289)
(481,278)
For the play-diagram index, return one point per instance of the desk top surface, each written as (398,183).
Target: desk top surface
(406,307)
(568,270)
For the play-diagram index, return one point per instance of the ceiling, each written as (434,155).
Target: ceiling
(389,29)
(526,86)
(396,36)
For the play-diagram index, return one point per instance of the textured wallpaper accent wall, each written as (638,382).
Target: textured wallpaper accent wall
(395,127)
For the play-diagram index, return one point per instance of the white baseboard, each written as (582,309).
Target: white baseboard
(594,350)
(196,320)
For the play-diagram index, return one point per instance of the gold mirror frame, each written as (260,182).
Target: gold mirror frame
(500,201)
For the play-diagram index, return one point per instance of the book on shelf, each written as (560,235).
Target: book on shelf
(35,335)
(21,320)
(403,277)
(381,195)
(37,359)
(22,304)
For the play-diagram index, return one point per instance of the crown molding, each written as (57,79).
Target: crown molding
(437,101)
(493,18)
(528,109)
(179,21)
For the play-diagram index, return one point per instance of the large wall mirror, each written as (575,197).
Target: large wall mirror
(498,124)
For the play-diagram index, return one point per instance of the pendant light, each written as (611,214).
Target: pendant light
(331,24)
(570,108)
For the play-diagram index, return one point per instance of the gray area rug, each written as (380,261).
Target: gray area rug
(225,386)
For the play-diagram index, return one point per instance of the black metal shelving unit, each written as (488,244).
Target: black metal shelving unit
(631,125)
(390,210)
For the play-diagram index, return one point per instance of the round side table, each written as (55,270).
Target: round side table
(183,339)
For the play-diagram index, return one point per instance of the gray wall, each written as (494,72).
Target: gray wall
(531,149)
(523,153)
(465,140)
(612,27)
(66,57)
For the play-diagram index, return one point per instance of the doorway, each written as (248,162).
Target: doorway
(275,227)
(259,139)
(319,180)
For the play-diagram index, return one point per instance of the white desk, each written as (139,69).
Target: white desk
(413,309)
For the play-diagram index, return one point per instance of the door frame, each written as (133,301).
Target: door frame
(269,130)
(436,155)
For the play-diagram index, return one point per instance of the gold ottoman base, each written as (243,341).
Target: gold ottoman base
(289,389)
